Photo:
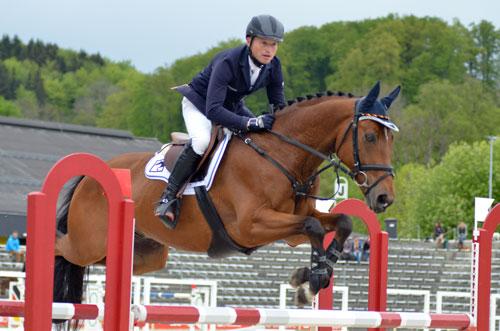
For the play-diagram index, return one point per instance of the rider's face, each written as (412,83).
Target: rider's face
(263,49)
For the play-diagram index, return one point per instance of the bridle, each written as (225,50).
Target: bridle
(359,168)
(300,189)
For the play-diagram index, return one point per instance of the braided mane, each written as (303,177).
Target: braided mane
(308,97)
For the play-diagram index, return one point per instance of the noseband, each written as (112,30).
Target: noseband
(300,189)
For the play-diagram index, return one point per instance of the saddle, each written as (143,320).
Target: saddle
(180,140)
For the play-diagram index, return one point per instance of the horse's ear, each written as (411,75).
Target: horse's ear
(387,100)
(372,96)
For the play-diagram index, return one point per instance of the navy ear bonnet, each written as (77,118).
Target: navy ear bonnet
(371,108)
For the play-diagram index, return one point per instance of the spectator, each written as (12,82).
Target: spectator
(438,230)
(366,250)
(440,236)
(357,246)
(442,241)
(462,235)
(13,247)
(347,252)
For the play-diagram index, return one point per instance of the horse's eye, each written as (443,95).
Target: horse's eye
(370,137)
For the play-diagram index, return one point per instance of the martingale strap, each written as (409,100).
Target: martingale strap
(301,189)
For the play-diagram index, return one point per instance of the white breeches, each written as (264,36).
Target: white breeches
(198,126)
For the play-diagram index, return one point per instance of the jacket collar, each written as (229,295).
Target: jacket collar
(245,68)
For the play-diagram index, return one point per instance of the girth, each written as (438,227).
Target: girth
(221,245)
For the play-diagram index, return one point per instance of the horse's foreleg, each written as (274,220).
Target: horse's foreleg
(283,225)
(321,269)
(342,225)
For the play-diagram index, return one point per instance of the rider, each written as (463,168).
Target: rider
(216,95)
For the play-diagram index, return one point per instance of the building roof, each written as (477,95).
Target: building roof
(29,148)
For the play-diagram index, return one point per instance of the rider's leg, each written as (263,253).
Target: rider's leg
(199,129)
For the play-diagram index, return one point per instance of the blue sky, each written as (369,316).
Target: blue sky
(153,33)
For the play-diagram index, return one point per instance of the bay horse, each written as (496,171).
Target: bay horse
(251,193)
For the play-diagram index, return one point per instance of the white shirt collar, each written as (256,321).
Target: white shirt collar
(254,71)
(253,66)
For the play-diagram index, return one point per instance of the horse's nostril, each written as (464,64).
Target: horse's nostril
(383,200)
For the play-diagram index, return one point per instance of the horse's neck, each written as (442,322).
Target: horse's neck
(316,125)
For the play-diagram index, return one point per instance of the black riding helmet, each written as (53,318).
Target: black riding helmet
(265,26)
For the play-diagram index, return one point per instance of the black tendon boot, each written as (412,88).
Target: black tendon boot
(169,206)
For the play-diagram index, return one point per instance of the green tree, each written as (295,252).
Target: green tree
(377,55)
(36,84)
(86,108)
(448,195)
(430,50)
(487,42)
(116,110)
(4,80)
(8,108)
(305,56)
(156,108)
(19,70)
(26,101)
(4,47)
(444,113)
(409,179)
(118,105)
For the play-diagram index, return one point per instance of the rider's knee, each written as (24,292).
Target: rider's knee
(200,145)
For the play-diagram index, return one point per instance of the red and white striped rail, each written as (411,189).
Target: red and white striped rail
(295,317)
(60,311)
(252,316)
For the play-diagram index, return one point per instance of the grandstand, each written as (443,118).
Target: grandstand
(28,149)
(415,265)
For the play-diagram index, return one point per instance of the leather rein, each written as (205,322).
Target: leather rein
(300,189)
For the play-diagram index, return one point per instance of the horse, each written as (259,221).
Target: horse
(252,192)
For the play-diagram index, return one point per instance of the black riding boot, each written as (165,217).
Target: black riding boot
(169,206)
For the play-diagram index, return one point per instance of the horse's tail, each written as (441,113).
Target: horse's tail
(68,277)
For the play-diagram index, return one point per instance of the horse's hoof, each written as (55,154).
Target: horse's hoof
(300,276)
(318,280)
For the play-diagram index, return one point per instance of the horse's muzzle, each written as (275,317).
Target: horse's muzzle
(379,202)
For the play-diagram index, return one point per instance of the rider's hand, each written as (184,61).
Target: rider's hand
(261,123)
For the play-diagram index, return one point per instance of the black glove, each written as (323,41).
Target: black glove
(261,123)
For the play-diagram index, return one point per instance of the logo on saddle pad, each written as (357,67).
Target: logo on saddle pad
(156,170)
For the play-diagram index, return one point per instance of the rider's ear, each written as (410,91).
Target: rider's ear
(387,100)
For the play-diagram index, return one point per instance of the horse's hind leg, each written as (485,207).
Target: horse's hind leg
(149,255)
(80,252)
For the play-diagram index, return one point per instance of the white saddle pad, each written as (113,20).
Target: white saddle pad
(155,168)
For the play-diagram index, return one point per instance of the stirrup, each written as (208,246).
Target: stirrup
(168,216)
